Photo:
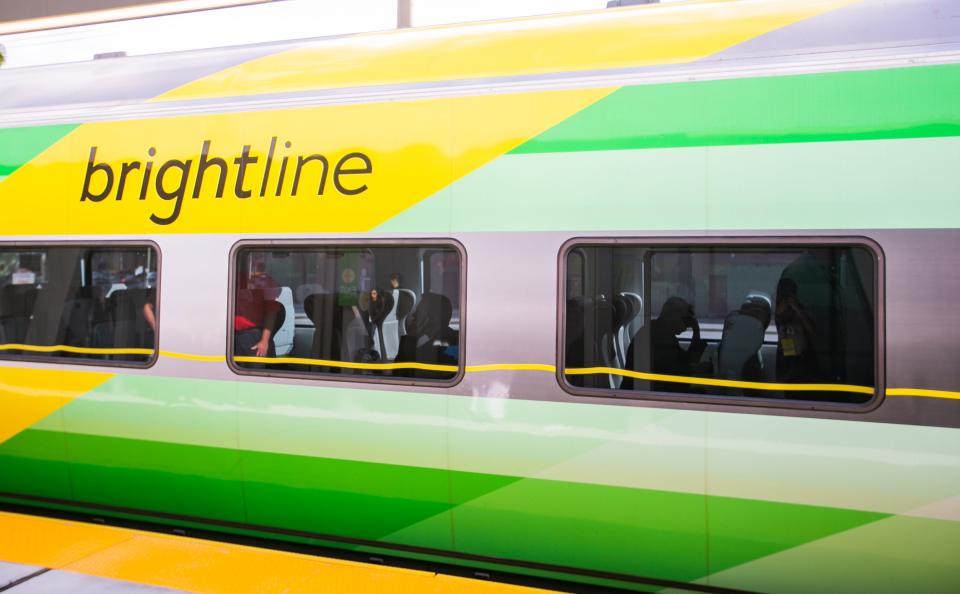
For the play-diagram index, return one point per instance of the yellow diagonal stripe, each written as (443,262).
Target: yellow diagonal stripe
(414,147)
(28,395)
(203,566)
(598,40)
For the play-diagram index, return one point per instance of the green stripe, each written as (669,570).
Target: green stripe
(919,102)
(880,184)
(19,145)
(605,528)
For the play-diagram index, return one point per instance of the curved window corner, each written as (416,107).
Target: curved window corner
(79,303)
(778,322)
(355,311)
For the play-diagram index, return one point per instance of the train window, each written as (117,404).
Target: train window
(79,303)
(775,323)
(368,312)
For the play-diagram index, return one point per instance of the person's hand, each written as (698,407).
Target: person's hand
(261,348)
(694,325)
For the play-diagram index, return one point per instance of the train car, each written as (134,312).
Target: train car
(649,297)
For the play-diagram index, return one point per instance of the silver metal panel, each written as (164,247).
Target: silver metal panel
(867,35)
(13,572)
(84,110)
(77,583)
(862,25)
(117,80)
(512,317)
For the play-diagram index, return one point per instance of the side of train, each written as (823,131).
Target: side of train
(642,297)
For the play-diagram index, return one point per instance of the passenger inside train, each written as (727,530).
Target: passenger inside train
(84,298)
(332,310)
(678,315)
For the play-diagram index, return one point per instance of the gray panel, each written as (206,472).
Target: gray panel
(131,79)
(13,10)
(77,583)
(864,31)
(863,25)
(12,572)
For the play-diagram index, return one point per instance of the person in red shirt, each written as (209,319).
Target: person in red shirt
(255,314)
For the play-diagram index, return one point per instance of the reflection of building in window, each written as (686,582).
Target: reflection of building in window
(84,298)
(744,315)
(379,311)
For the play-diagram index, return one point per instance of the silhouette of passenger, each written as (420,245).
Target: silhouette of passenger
(378,307)
(796,353)
(668,357)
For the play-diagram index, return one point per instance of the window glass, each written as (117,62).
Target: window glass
(377,311)
(722,320)
(78,302)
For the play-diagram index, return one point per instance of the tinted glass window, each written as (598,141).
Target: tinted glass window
(78,302)
(722,320)
(379,311)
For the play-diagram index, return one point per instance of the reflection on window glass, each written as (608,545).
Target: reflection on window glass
(723,320)
(376,311)
(78,302)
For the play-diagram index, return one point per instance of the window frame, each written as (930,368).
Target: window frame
(92,244)
(731,241)
(349,242)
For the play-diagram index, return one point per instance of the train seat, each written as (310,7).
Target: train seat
(284,334)
(390,329)
(324,311)
(17,303)
(406,303)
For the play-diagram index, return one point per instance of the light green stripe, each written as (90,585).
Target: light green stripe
(876,467)
(917,102)
(890,184)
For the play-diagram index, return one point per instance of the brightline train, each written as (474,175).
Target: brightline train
(651,297)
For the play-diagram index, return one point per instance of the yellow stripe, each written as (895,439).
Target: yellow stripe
(189,357)
(345,364)
(596,40)
(56,348)
(28,395)
(702,381)
(202,566)
(914,392)
(511,367)
(921,393)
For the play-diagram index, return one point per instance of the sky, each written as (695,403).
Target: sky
(273,21)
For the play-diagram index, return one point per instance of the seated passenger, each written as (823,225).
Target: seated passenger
(255,315)
(667,355)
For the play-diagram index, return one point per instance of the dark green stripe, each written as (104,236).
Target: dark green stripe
(918,102)
(597,527)
(19,145)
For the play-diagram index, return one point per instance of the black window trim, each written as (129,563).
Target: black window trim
(105,244)
(732,241)
(358,242)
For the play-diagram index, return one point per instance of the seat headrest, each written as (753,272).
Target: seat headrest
(432,316)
